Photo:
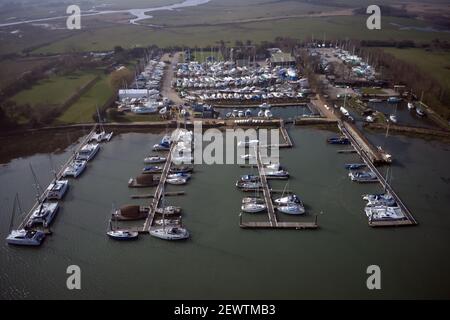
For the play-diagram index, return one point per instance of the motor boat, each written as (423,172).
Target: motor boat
(75,168)
(123,234)
(250,143)
(57,189)
(252,200)
(251,185)
(25,237)
(181,169)
(155,159)
(278,174)
(393,118)
(253,207)
(292,208)
(43,214)
(382,199)
(168,210)
(249,178)
(176,181)
(410,106)
(88,152)
(338,140)
(186,176)
(365,176)
(170,233)
(161,147)
(152,169)
(167,222)
(354,166)
(384,213)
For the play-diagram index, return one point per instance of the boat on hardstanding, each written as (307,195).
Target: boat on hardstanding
(265,105)
(43,214)
(410,106)
(363,176)
(393,118)
(57,189)
(88,152)
(75,168)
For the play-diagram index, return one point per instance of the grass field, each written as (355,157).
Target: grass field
(54,90)
(435,63)
(352,27)
(11,70)
(83,109)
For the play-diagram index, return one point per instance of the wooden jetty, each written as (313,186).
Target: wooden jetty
(409,219)
(159,191)
(288,142)
(58,176)
(273,222)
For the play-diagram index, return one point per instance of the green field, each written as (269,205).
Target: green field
(12,70)
(435,63)
(83,109)
(351,27)
(54,90)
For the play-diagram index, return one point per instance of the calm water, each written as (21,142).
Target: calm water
(222,260)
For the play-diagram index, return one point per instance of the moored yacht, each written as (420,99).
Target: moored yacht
(43,214)
(354,166)
(176,180)
(88,151)
(362,177)
(381,199)
(155,159)
(24,237)
(123,234)
(101,136)
(253,207)
(75,168)
(292,208)
(57,189)
(152,169)
(170,233)
(384,213)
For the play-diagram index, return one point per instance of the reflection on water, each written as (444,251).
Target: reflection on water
(222,260)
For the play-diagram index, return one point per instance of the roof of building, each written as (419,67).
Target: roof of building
(281,57)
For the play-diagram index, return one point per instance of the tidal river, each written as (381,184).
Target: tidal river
(221,260)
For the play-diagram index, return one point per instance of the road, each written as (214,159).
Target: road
(166,89)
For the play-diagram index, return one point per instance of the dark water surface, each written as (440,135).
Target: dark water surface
(221,260)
